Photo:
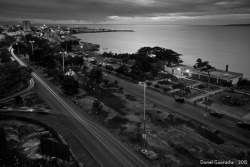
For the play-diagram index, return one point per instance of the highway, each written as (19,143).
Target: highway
(105,147)
(225,124)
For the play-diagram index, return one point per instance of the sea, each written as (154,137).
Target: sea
(220,45)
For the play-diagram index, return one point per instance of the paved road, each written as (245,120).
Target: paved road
(105,147)
(197,113)
(31,84)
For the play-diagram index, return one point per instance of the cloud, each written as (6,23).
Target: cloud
(101,11)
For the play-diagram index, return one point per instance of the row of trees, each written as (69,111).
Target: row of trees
(145,60)
(11,75)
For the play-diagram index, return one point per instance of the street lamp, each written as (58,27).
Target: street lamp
(17,47)
(63,59)
(24,37)
(144,111)
(66,43)
(105,54)
(32,49)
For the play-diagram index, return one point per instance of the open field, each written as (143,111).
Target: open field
(187,82)
(220,102)
(207,87)
(179,141)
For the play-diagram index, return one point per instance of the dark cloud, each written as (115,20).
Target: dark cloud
(100,10)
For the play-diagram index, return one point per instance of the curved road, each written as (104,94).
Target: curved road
(105,147)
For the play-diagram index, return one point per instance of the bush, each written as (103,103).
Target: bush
(163,82)
(227,84)
(166,89)
(244,82)
(149,83)
(97,105)
(178,86)
(156,86)
(105,81)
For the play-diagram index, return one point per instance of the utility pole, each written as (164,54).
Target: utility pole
(105,54)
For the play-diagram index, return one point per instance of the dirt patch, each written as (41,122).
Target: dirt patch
(178,141)
(238,104)
(22,145)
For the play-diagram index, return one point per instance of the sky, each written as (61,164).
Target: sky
(201,12)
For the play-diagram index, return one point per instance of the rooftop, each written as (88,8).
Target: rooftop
(218,73)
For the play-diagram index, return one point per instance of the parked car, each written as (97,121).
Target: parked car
(244,125)
(99,65)
(179,99)
(216,114)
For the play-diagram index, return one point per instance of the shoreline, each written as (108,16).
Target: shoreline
(83,39)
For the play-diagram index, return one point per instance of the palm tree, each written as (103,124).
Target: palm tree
(206,67)
(198,63)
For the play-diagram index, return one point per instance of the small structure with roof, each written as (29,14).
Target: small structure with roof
(70,73)
(217,76)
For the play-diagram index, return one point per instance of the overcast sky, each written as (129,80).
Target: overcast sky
(126,11)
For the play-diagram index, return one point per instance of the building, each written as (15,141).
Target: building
(26,26)
(217,77)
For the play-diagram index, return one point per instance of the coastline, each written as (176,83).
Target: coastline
(217,44)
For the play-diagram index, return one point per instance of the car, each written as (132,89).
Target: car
(216,114)
(179,99)
(244,125)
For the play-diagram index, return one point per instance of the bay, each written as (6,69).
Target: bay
(220,45)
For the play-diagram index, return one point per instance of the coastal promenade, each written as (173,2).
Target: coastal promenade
(192,100)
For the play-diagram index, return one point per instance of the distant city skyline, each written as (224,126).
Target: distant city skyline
(197,12)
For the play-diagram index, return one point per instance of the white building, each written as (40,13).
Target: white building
(218,76)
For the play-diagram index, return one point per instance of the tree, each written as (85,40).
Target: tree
(142,64)
(3,139)
(122,70)
(162,54)
(95,75)
(97,106)
(70,85)
(11,75)
(38,54)
(5,56)
(48,61)
(168,55)
(198,63)
(18,99)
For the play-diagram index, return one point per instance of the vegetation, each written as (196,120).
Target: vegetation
(5,56)
(11,75)
(70,85)
(96,76)
(97,106)
(244,82)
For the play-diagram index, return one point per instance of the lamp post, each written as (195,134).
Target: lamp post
(66,43)
(17,47)
(105,54)
(24,37)
(144,116)
(63,59)
(32,49)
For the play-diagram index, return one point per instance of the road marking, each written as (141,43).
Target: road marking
(84,122)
